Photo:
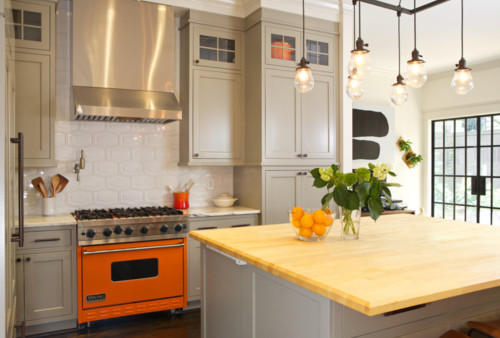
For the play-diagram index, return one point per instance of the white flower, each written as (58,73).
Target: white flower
(326,174)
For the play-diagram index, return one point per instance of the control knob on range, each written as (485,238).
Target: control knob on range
(129,231)
(107,232)
(118,229)
(90,233)
(164,228)
(178,227)
(144,230)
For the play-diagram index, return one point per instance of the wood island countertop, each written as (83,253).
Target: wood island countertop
(399,261)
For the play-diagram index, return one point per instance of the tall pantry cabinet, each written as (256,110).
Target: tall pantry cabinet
(286,133)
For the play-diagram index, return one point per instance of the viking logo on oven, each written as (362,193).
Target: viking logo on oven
(96,298)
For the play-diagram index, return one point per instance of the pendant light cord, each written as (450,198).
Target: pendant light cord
(399,43)
(354,26)
(462,29)
(303,30)
(359,19)
(414,24)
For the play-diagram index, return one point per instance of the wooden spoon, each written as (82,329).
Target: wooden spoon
(40,186)
(63,181)
(53,185)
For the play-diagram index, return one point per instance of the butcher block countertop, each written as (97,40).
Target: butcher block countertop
(399,261)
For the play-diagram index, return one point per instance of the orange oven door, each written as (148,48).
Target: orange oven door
(117,274)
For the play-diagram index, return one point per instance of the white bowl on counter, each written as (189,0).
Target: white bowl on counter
(224,200)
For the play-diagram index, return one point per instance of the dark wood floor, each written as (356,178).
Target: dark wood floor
(158,324)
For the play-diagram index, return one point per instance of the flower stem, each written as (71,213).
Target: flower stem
(348,223)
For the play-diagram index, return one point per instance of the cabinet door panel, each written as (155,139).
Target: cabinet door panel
(283,46)
(194,278)
(217,115)
(32,25)
(48,287)
(217,48)
(282,187)
(282,115)
(318,119)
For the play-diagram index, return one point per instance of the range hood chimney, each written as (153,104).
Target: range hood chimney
(123,61)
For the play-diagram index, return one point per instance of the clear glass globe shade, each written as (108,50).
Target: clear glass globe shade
(399,94)
(416,75)
(304,80)
(462,82)
(360,65)
(354,88)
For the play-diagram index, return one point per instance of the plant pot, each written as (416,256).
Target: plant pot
(399,141)
(407,156)
(350,221)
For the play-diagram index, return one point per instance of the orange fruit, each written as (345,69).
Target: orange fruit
(319,216)
(306,221)
(297,213)
(328,221)
(296,223)
(319,229)
(305,232)
(328,211)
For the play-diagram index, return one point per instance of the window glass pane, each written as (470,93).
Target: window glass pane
(438,210)
(484,216)
(32,34)
(471,161)
(485,200)
(496,161)
(313,58)
(277,53)
(448,211)
(449,133)
(289,42)
(208,54)
(438,189)
(496,192)
(438,161)
(471,199)
(311,45)
(485,130)
(16,15)
(459,213)
(496,217)
(471,132)
(460,161)
(438,134)
(136,269)
(485,162)
(18,32)
(449,191)
(227,44)
(323,47)
(496,130)
(323,59)
(471,214)
(460,133)
(448,161)
(33,18)
(289,54)
(208,41)
(275,38)
(460,190)
(227,57)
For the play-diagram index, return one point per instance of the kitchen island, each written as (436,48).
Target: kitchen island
(407,275)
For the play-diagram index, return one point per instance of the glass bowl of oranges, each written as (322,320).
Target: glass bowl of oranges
(311,224)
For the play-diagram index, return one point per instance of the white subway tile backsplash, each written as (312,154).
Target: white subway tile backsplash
(105,140)
(79,139)
(105,198)
(93,183)
(92,126)
(132,140)
(143,182)
(143,154)
(105,168)
(119,154)
(132,198)
(80,200)
(117,183)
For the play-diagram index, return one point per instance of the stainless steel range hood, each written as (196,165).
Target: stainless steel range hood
(123,61)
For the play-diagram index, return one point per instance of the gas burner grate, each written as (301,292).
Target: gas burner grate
(96,214)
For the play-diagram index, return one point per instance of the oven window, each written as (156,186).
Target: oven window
(137,269)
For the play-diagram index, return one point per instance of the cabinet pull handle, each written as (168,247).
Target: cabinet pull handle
(28,259)
(299,155)
(240,225)
(19,237)
(18,260)
(22,326)
(196,61)
(406,309)
(304,155)
(299,173)
(196,155)
(47,240)
(304,173)
(206,228)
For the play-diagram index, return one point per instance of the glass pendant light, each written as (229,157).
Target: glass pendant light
(399,93)
(304,80)
(354,88)
(416,76)
(360,59)
(462,82)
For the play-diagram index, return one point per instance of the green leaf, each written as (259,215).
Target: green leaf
(350,179)
(375,207)
(339,177)
(371,166)
(363,174)
(352,200)
(326,199)
(340,195)
(335,168)
(330,185)
(315,173)
(363,192)
(392,174)
(375,189)
(386,192)
(319,183)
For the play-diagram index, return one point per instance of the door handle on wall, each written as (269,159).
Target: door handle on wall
(19,237)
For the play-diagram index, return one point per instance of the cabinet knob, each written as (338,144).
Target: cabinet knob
(18,260)
(304,155)
(196,61)
(299,173)
(28,259)
(196,155)
(299,155)
(304,173)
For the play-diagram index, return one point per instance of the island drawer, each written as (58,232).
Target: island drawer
(221,222)
(480,298)
(357,324)
(47,239)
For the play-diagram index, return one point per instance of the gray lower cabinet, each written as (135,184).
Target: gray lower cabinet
(46,274)
(211,222)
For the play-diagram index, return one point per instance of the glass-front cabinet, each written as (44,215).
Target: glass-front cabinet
(217,48)
(31,25)
(319,52)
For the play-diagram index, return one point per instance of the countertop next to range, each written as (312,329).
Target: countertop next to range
(68,219)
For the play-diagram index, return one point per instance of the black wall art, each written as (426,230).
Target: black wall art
(373,133)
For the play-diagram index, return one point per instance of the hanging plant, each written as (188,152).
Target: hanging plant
(404,145)
(409,157)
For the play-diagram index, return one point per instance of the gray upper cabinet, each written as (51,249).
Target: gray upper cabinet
(34,27)
(211,90)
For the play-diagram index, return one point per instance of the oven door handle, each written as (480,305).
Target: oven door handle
(133,249)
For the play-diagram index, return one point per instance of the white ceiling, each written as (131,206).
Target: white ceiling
(438,28)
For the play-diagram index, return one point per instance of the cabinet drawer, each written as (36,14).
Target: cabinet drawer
(224,223)
(47,239)
(356,323)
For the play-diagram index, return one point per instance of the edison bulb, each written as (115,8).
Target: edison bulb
(416,75)
(399,94)
(462,82)
(304,80)
(359,65)
(354,88)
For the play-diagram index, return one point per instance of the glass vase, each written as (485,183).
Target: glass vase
(350,221)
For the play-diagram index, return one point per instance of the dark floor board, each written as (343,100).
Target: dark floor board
(151,325)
